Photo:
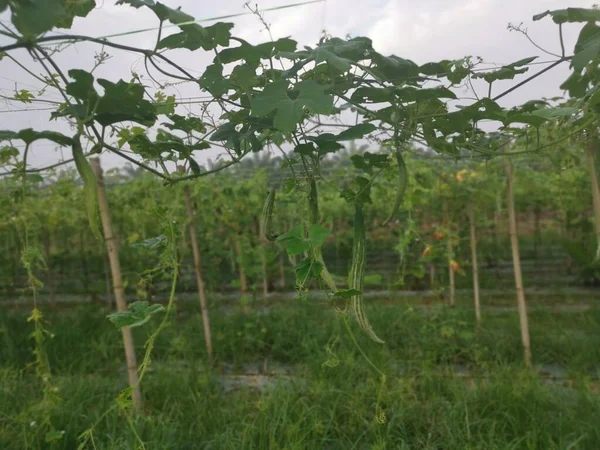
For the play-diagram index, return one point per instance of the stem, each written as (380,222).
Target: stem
(532,77)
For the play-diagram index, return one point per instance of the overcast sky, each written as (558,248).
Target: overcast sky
(423,31)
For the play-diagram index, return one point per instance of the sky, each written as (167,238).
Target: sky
(423,31)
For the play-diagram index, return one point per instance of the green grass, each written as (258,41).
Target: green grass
(499,405)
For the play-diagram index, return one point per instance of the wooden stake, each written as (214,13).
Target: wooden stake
(198,270)
(450,250)
(474,264)
(514,241)
(115,267)
(591,156)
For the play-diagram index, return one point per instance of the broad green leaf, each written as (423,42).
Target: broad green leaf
(89,185)
(317,234)
(166,107)
(571,15)
(307,149)
(290,111)
(306,269)
(587,47)
(528,118)
(195,37)
(83,86)
(33,17)
(138,314)
(53,436)
(124,101)
(192,36)
(7,153)
(7,135)
(507,72)
(576,84)
(244,76)
(295,241)
(29,135)
(337,53)
(194,166)
(356,132)
(185,124)
(552,113)
(394,69)
(254,53)
(224,132)
(369,161)
(3,5)
(213,81)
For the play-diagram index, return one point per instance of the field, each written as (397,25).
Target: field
(235,238)
(288,376)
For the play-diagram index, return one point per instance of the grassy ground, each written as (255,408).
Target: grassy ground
(448,386)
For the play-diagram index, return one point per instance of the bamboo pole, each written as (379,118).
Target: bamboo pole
(450,250)
(591,156)
(474,264)
(198,270)
(115,267)
(514,241)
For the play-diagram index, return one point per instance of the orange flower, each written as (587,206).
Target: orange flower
(438,236)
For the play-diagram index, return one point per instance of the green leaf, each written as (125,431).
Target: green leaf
(7,135)
(307,149)
(571,15)
(253,54)
(33,17)
(552,113)
(155,242)
(528,118)
(29,135)
(139,313)
(122,101)
(290,111)
(89,185)
(194,37)
(356,132)
(507,72)
(306,269)
(186,124)
(317,234)
(7,153)
(295,241)
(53,436)
(194,166)
(213,81)
(394,69)
(245,77)
(167,107)
(587,47)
